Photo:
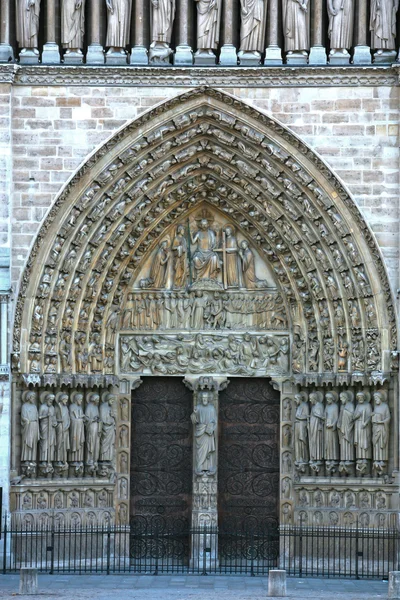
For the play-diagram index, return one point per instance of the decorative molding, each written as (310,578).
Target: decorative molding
(227,77)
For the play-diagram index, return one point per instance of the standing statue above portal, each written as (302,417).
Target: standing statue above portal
(341,22)
(383,26)
(27,25)
(253,15)
(296,27)
(72,26)
(208,25)
(162,20)
(118,25)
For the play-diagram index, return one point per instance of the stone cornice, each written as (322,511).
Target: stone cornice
(226,77)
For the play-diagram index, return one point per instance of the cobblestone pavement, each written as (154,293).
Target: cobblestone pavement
(131,587)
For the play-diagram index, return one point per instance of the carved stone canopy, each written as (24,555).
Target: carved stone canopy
(205,148)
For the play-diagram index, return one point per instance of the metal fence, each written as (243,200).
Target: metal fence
(302,551)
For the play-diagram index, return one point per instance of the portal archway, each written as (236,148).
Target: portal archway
(207,155)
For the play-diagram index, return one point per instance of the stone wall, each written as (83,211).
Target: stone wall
(354,129)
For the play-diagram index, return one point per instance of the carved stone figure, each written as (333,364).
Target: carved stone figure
(204,419)
(345,427)
(208,24)
(341,21)
(77,428)
(27,24)
(380,419)
(118,24)
(231,259)
(107,439)
(62,431)
(383,24)
(295,23)
(316,431)
(252,31)
(179,251)
(162,19)
(248,267)
(47,429)
(301,431)
(331,435)
(205,260)
(362,432)
(92,421)
(29,428)
(159,268)
(72,25)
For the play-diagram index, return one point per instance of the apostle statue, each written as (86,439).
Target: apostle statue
(250,279)
(72,25)
(29,428)
(27,25)
(362,432)
(331,436)
(296,27)
(345,428)
(253,14)
(383,25)
(208,25)
(301,431)
(162,20)
(231,258)
(341,22)
(159,268)
(93,430)
(204,419)
(118,25)
(316,431)
(77,429)
(380,419)
(179,251)
(107,438)
(47,429)
(205,260)
(63,424)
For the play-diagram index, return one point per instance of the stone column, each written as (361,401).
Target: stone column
(273,53)
(51,51)
(362,53)
(184,33)
(204,546)
(139,54)
(229,25)
(95,51)
(318,51)
(6,50)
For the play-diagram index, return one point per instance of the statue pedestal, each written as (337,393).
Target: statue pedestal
(139,56)
(73,57)
(95,55)
(183,56)
(296,58)
(273,56)
(51,54)
(204,59)
(117,57)
(249,59)
(362,55)
(159,54)
(228,56)
(6,53)
(386,57)
(338,58)
(317,56)
(29,56)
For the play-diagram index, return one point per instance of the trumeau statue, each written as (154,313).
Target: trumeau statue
(296,26)
(380,431)
(204,419)
(253,15)
(29,428)
(27,24)
(162,19)
(383,24)
(107,439)
(77,429)
(72,25)
(362,432)
(341,22)
(118,24)
(208,25)
(301,431)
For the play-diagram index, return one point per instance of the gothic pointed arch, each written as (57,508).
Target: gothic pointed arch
(205,151)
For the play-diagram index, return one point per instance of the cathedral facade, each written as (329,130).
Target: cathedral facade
(199,263)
